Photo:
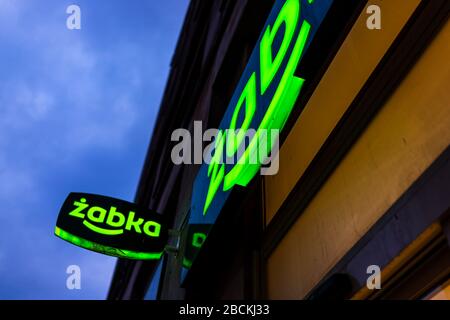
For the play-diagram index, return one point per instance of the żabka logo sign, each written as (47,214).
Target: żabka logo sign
(112,226)
(114,219)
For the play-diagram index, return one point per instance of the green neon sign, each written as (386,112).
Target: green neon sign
(262,103)
(276,68)
(111,226)
(114,219)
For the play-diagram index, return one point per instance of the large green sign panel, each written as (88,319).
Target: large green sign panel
(262,101)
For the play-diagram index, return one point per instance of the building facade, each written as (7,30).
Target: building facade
(364,158)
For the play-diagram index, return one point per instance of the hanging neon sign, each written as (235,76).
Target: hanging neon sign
(111,226)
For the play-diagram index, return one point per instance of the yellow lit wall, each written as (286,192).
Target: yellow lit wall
(350,69)
(443,293)
(408,134)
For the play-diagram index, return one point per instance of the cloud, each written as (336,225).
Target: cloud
(23,104)
(56,105)
(10,8)
(39,266)
(71,94)
(76,111)
(15,183)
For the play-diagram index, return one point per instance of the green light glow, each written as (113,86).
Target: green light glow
(187,263)
(279,109)
(216,169)
(106,249)
(101,214)
(198,239)
(80,206)
(113,213)
(248,96)
(107,232)
(289,14)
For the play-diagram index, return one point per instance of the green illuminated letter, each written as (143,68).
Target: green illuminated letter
(198,239)
(135,224)
(280,105)
(288,15)
(155,226)
(277,113)
(216,170)
(113,214)
(101,216)
(248,96)
(80,207)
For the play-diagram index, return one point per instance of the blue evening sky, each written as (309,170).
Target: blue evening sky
(77,109)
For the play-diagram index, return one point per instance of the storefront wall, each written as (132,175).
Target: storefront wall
(407,135)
